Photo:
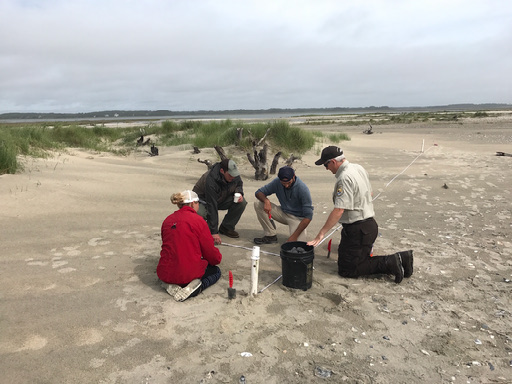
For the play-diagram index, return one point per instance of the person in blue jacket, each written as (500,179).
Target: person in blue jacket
(296,209)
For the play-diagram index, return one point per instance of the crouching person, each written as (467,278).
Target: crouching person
(189,258)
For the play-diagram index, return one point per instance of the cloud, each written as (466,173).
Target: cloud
(66,56)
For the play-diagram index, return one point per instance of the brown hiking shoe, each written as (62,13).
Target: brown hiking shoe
(228,232)
(407,262)
(265,240)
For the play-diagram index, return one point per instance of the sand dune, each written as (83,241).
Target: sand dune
(81,303)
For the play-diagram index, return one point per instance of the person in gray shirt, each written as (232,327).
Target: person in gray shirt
(296,209)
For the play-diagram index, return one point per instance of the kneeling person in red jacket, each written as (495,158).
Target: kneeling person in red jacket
(189,258)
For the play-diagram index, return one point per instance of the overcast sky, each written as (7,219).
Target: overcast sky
(92,55)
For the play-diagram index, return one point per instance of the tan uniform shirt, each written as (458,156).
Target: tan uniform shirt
(353,193)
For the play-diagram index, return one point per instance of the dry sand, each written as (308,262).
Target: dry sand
(81,303)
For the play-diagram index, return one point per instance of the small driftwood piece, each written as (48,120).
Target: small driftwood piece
(273,166)
(369,131)
(196,150)
(207,162)
(259,161)
(289,161)
(503,154)
(239,132)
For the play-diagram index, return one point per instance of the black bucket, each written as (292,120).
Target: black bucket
(297,267)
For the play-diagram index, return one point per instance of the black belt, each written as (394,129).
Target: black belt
(358,222)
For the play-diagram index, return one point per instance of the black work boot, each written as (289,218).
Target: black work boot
(394,267)
(228,232)
(265,240)
(407,262)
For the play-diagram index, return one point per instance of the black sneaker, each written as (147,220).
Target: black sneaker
(407,262)
(228,232)
(265,240)
(394,266)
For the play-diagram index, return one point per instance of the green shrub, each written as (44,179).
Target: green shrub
(337,137)
(8,154)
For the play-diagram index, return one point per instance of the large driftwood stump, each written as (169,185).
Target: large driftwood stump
(259,161)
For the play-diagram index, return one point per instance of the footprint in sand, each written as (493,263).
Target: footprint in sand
(89,337)
(72,251)
(96,363)
(33,343)
(97,241)
(38,263)
(59,263)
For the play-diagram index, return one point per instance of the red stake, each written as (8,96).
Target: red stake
(329,249)
(230,280)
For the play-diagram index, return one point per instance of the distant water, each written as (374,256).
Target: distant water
(206,116)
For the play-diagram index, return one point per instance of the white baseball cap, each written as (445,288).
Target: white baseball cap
(189,196)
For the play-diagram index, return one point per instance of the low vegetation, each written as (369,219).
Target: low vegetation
(393,118)
(40,139)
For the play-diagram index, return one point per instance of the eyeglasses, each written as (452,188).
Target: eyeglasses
(326,164)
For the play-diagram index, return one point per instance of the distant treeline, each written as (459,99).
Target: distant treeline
(289,111)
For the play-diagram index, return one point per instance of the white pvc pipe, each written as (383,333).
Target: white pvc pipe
(255,260)
(422,145)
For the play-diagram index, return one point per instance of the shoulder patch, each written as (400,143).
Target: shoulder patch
(339,192)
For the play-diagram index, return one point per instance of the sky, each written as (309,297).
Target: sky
(95,55)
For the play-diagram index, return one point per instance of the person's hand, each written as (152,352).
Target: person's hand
(216,239)
(240,199)
(267,207)
(316,240)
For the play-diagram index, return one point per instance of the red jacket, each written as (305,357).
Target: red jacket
(187,247)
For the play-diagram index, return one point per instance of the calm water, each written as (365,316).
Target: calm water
(206,116)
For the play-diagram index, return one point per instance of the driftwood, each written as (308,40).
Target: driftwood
(369,131)
(289,161)
(259,161)
(503,154)
(221,152)
(273,167)
(239,132)
(207,162)
(154,151)
(196,150)
(141,142)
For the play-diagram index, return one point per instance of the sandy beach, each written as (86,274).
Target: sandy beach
(81,302)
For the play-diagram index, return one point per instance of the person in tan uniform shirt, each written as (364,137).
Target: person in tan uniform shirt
(353,208)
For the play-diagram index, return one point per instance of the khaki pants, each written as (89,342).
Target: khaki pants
(279,216)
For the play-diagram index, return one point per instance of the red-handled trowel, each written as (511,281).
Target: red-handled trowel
(271,220)
(329,249)
(231,290)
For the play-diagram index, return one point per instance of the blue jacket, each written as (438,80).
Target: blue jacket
(296,200)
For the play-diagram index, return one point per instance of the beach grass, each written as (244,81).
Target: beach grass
(39,139)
